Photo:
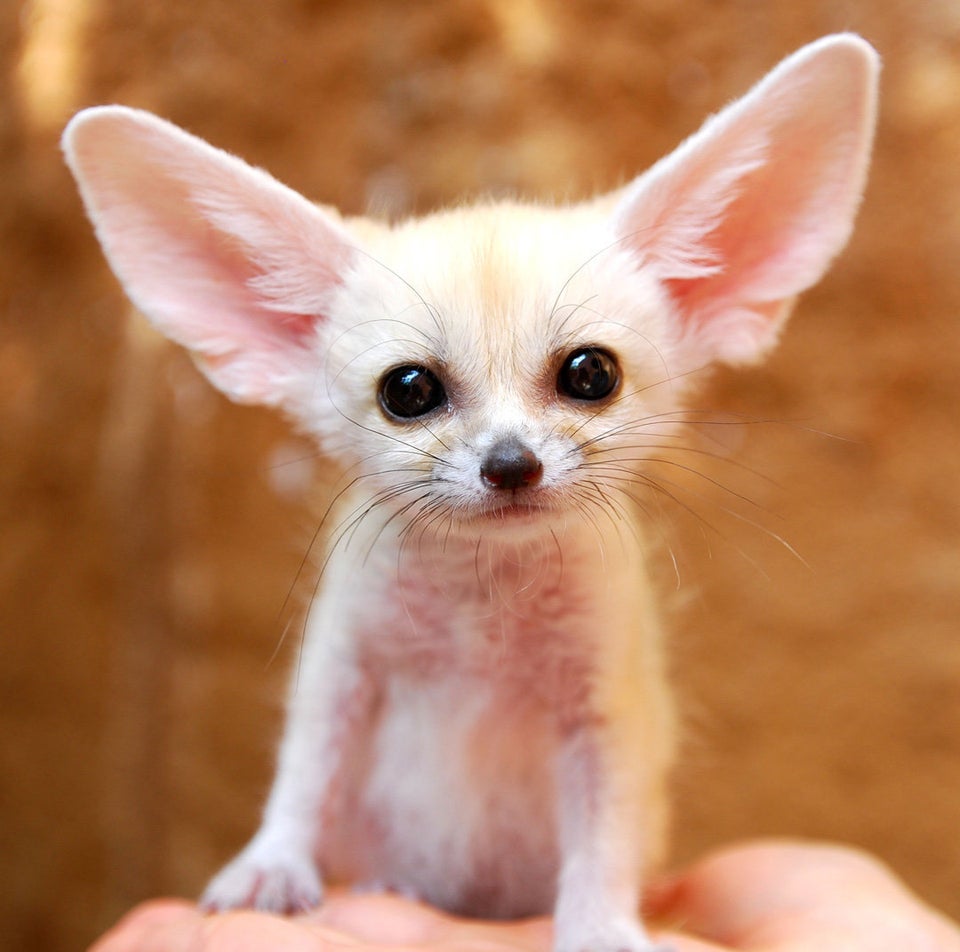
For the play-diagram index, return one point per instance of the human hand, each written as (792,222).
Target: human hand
(762,897)
(779,896)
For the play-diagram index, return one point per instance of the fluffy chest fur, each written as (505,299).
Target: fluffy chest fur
(509,612)
(479,662)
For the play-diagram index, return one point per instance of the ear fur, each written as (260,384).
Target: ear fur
(221,257)
(750,210)
(742,217)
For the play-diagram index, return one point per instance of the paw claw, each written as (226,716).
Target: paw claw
(261,879)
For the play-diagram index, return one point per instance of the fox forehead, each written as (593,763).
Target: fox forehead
(499,289)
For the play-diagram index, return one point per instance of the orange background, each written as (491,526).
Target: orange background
(150,532)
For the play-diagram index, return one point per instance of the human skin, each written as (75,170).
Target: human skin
(768,896)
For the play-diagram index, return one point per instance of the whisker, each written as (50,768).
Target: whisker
(566,284)
(585,504)
(603,319)
(667,462)
(403,510)
(693,450)
(396,439)
(630,522)
(560,559)
(322,522)
(663,416)
(280,642)
(424,426)
(310,457)
(659,484)
(431,309)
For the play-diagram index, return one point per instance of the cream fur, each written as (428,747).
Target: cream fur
(481,716)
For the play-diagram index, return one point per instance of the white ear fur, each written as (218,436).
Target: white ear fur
(220,256)
(750,210)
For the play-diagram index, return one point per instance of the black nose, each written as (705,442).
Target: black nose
(510,464)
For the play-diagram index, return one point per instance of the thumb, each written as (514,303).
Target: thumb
(779,895)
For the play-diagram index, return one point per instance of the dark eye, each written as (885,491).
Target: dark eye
(588,374)
(411,391)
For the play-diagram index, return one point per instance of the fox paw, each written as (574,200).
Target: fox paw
(266,880)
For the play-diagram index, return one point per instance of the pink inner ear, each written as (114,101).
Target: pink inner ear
(786,223)
(221,257)
(751,210)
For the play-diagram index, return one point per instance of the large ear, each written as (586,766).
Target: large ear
(751,209)
(220,256)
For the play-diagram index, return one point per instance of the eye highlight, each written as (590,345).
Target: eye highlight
(588,373)
(411,391)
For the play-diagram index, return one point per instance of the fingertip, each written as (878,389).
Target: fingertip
(164,925)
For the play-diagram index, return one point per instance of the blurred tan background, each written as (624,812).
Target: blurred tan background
(150,531)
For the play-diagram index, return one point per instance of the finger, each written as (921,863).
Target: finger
(163,925)
(769,894)
(250,931)
(685,943)
(178,926)
(380,918)
(394,920)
